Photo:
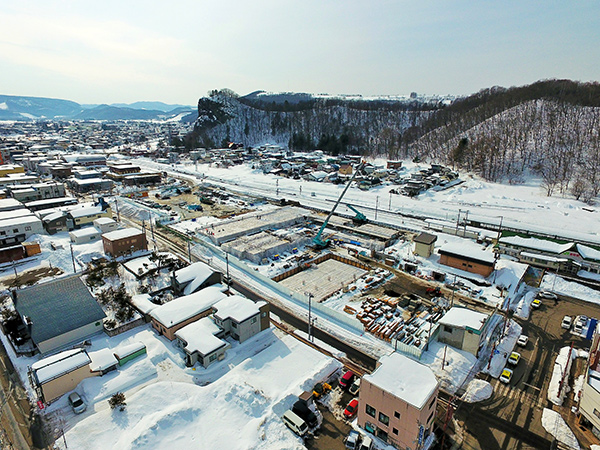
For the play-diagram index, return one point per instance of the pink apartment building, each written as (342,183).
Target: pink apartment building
(397,402)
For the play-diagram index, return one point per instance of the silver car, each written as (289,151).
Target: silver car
(77,403)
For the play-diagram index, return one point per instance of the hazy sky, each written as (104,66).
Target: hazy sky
(123,51)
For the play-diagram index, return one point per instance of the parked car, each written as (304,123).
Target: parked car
(302,410)
(514,358)
(77,403)
(355,387)
(352,440)
(578,328)
(536,303)
(522,341)
(367,443)
(351,409)
(547,295)
(566,322)
(506,376)
(346,379)
(295,423)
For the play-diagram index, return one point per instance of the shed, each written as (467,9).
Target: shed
(468,256)
(84,235)
(103,361)
(58,374)
(126,353)
(424,244)
(106,224)
(462,328)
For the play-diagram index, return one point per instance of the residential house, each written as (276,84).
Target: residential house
(240,317)
(59,313)
(106,224)
(397,402)
(19,229)
(201,342)
(463,329)
(76,218)
(194,277)
(127,240)
(85,235)
(176,314)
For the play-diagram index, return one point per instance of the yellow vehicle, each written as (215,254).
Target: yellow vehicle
(321,389)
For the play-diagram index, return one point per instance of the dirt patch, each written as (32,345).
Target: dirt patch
(30,277)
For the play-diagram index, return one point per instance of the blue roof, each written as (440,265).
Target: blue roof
(57,307)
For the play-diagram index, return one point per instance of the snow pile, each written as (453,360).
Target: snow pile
(477,391)
(503,348)
(570,288)
(450,366)
(239,410)
(578,386)
(523,305)
(562,365)
(554,424)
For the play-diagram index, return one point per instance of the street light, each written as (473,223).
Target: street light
(310,297)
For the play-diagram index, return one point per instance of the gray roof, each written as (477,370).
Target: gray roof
(58,307)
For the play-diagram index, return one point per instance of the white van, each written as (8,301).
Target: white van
(295,423)
(366,444)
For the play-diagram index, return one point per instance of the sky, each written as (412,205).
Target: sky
(124,51)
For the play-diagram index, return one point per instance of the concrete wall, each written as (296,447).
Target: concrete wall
(71,337)
(68,382)
(423,250)
(452,336)
(402,431)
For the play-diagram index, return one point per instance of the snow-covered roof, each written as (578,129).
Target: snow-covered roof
(87,231)
(122,234)
(54,366)
(102,360)
(143,304)
(588,252)
(24,220)
(182,308)
(53,216)
(82,212)
(536,244)
(542,257)
(468,249)
(124,351)
(104,220)
(405,379)
(195,273)
(84,181)
(200,336)
(237,308)
(463,318)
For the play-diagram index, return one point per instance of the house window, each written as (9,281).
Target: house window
(447,329)
(384,419)
(396,414)
(395,431)
(27,228)
(597,413)
(432,402)
(211,358)
(370,410)
(264,314)
(253,320)
(233,325)
(16,230)
(2,233)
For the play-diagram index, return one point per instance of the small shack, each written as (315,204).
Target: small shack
(424,244)
(126,353)
(58,374)
(103,361)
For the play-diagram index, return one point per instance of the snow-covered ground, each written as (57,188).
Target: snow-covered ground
(554,424)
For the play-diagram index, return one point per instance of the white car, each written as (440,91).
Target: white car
(548,295)
(567,322)
(76,403)
(522,341)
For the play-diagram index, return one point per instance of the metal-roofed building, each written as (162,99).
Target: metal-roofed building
(59,313)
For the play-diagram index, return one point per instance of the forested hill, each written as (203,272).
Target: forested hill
(304,122)
(549,128)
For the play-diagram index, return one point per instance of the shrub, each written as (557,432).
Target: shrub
(117,401)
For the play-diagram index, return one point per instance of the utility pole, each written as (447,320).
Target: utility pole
(465,227)
(376,206)
(457,221)
(117,207)
(310,296)
(189,252)
(73,258)
(499,231)
(390,204)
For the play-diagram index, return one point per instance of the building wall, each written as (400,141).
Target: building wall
(468,266)
(68,382)
(265,319)
(451,336)
(423,250)
(27,229)
(247,328)
(122,246)
(590,402)
(402,429)
(71,337)
(79,221)
(75,239)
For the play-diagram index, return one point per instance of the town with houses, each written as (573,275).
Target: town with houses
(237,297)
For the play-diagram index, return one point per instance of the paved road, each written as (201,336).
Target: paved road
(511,418)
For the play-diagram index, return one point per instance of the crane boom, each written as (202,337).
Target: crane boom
(317,241)
(360,217)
